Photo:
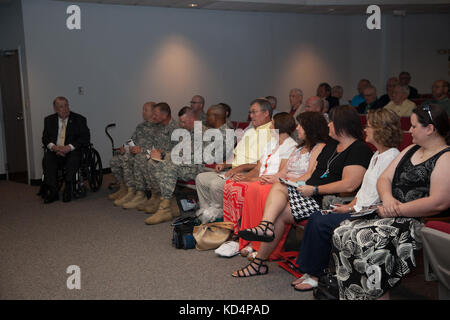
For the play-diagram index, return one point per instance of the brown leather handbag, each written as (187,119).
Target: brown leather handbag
(211,235)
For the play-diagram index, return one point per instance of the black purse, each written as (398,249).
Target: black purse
(182,237)
(327,287)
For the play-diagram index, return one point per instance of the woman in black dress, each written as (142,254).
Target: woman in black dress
(372,255)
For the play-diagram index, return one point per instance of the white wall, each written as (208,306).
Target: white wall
(125,55)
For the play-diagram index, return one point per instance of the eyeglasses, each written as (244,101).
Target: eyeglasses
(254,112)
(195,102)
(427,109)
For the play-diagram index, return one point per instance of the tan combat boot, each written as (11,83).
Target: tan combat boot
(163,214)
(153,203)
(130,195)
(174,208)
(138,199)
(119,193)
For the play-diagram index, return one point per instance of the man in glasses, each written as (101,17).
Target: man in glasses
(439,91)
(197,104)
(371,103)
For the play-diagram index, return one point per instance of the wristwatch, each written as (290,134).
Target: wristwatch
(316,191)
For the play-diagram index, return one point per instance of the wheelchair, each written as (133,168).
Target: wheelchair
(90,172)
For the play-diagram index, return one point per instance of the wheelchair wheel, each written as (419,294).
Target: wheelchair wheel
(95,177)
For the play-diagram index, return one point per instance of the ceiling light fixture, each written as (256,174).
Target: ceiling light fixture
(193,5)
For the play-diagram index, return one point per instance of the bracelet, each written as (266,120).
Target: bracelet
(316,191)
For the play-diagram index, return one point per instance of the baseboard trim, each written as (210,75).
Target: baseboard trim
(37,182)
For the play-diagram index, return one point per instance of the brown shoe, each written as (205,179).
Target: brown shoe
(152,205)
(119,193)
(138,199)
(130,195)
(163,214)
(174,207)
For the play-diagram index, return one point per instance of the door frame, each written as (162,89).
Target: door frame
(25,112)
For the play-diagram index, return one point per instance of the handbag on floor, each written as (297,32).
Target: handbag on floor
(182,237)
(211,235)
(327,287)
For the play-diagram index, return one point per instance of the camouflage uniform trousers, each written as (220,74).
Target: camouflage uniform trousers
(122,168)
(143,177)
(169,173)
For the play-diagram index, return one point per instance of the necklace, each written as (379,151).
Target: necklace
(332,158)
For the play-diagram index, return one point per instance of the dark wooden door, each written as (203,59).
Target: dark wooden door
(11,95)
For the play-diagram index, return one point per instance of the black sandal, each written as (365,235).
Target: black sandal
(253,233)
(245,272)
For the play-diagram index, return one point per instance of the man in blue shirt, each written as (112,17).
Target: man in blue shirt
(359,98)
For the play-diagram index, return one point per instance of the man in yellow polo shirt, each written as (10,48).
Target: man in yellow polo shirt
(245,156)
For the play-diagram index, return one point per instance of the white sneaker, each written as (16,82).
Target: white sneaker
(228,249)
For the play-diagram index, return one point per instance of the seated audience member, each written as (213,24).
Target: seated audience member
(122,164)
(359,98)
(197,104)
(415,185)
(158,141)
(228,114)
(337,92)
(316,104)
(439,92)
(65,132)
(384,132)
(295,100)
(247,152)
(390,85)
(404,79)
(371,103)
(400,103)
(324,92)
(273,103)
(312,130)
(274,157)
(169,171)
(340,168)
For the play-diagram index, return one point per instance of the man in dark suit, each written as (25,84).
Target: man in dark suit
(371,102)
(65,132)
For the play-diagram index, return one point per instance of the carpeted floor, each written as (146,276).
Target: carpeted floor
(119,256)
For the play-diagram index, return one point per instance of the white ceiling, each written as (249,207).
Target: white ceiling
(345,7)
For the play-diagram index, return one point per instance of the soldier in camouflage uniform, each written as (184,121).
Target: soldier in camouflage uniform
(171,170)
(122,164)
(160,142)
(197,105)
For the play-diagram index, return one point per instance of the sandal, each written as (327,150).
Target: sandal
(252,256)
(246,251)
(245,272)
(309,281)
(253,234)
(300,280)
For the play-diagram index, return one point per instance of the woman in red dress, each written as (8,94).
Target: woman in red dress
(312,129)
